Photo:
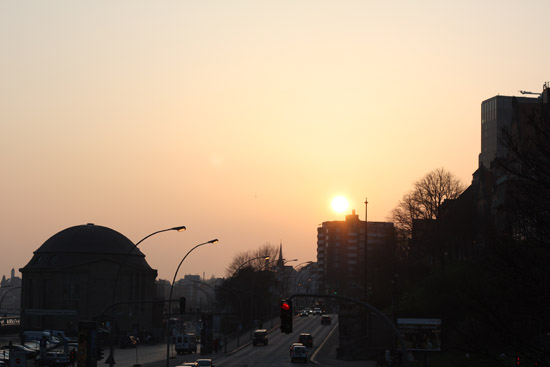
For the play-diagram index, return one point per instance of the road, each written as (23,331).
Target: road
(276,353)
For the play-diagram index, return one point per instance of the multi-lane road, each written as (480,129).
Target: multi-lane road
(276,353)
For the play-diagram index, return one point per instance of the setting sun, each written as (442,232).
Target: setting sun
(339,204)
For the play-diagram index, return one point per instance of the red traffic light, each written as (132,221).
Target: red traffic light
(285,306)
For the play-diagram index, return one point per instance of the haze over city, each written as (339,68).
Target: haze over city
(242,120)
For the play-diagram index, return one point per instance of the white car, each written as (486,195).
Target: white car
(317,311)
(298,352)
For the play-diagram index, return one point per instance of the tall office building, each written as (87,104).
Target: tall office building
(341,254)
(497,113)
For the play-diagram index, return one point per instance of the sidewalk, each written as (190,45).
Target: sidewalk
(325,355)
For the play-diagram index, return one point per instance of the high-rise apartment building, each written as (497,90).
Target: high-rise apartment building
(341,253)
(497,113)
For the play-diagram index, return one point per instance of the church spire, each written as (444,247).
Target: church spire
(280,260)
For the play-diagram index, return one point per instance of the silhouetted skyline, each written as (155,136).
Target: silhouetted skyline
(242,120)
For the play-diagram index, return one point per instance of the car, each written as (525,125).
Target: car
(186,343)
(204,362)
(260,337)
(298,352)
(325,320)
(188,364)
(31,353)
(304,313)
(53,359)
(317,311)
(306,339)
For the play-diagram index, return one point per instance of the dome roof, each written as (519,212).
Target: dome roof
(84,244)
(88,238)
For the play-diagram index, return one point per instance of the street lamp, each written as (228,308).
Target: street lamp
(300,273)
(249,260)
(170,299)
(233,291)
(111,359)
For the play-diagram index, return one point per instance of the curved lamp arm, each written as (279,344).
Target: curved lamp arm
(170,299)
(111,359)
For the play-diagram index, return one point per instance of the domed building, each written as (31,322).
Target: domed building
(71,278)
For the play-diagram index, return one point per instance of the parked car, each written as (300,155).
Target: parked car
(325,320)
(306,339)
(54,359)
(260,337)
(31,353)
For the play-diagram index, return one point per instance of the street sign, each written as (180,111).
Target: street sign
(421,334)
(42,312)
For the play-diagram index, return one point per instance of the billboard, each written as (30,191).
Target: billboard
(421,334)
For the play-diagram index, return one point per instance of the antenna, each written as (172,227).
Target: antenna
(526,92)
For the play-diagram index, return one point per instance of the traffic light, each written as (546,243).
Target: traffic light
(182,304)
(286,316)
(99,354)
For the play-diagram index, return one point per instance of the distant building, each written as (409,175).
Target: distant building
(71,278)
(341,254)
(10,294)
(356,259)
(12,281)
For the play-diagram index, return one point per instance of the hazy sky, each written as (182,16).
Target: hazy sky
(242,119)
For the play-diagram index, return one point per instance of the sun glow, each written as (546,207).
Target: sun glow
(339,204)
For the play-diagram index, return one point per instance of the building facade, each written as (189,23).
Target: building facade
(344,263)
(497,114)
(72,276)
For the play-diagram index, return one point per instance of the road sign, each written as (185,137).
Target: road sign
(42,312)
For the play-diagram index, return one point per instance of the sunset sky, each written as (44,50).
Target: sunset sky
(242,120)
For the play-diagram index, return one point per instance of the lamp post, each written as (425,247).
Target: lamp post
(240,305)
(170,299)
(299,275)
(111,358)
(265,257)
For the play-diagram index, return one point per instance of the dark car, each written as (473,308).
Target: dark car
(306,339)
(260,337)
(325,320)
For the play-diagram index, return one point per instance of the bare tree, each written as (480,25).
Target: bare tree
(425,200)
(253,258)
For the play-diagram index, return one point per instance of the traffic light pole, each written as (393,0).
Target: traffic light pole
(404,359)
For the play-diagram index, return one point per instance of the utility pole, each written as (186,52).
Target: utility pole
(366,270)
